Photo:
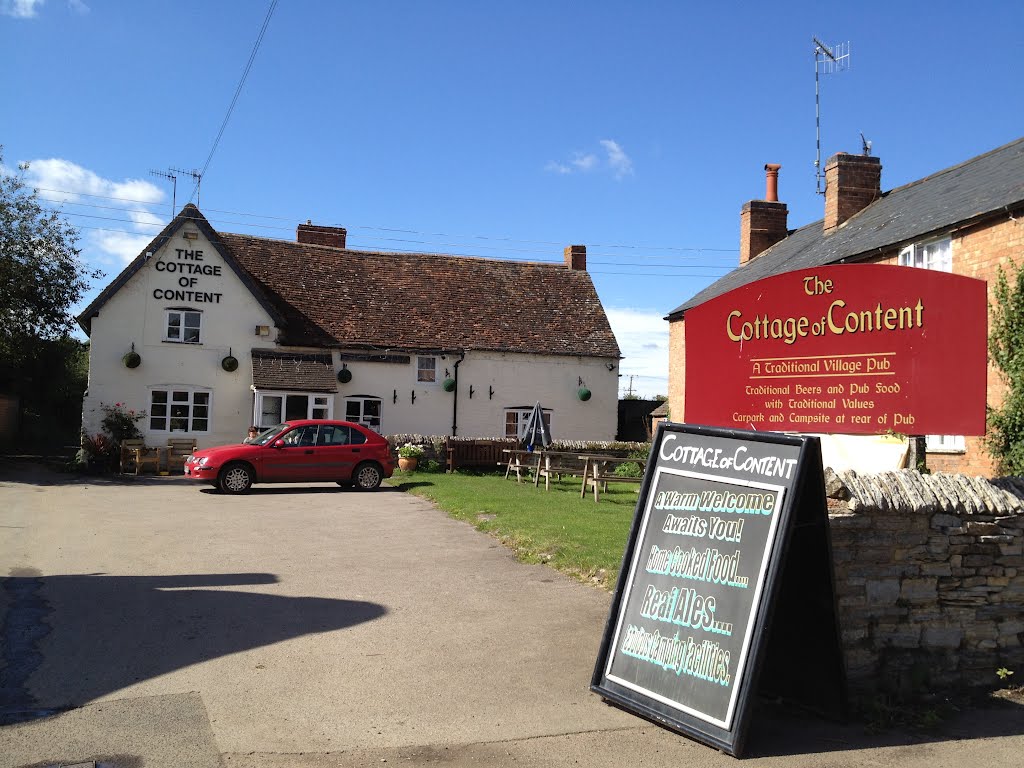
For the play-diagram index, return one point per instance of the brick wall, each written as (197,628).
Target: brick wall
(929,579)
(676,369)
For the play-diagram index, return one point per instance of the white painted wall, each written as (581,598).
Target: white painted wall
(136,315)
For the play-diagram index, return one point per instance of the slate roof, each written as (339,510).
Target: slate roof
(968,192)
(308,372)
(340,298)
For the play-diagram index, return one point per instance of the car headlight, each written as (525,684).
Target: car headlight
(200,462)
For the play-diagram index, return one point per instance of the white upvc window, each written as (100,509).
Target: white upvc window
(426,369)
(515,421)
(930,254)
(184,326)
(179,409)
(936,255)
(277,407)
(365,410)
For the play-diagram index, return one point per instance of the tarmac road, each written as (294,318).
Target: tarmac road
(161,624)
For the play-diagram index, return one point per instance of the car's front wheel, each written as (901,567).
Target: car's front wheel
(235,478)
(367,476)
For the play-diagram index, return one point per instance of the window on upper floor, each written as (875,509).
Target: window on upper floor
(930,254)
(184,326)
(426,369)
(936,255)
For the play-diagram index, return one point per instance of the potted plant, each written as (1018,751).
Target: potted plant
(409,456)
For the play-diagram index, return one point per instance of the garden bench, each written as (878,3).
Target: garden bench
(474,453)
(599,470)
(556,464)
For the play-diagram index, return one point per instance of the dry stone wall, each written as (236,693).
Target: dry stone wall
(929,578)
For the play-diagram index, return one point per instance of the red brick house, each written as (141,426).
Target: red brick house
(968,220)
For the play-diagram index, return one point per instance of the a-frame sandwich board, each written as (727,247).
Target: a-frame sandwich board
(726,587)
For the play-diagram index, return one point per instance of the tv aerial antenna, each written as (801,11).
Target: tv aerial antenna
(827,61)
(174,188)
(197,177)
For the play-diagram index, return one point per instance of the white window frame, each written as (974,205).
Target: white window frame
(181,312)
(426,369)
(935,254)
(319,405)
(373,422)
(522,413)
(173,404)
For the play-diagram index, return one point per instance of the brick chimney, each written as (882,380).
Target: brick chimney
(852,183)
(576,257)
(763,222)
(314,234)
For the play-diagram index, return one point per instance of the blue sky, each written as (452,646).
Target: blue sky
(505,130)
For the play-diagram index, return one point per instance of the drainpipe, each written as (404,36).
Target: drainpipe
(455,396)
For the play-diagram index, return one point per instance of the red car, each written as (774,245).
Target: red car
(301,451)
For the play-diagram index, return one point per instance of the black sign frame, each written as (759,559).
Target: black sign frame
(793,582)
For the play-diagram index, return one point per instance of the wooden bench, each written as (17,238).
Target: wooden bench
(474,453)
(520,462)
(136,456)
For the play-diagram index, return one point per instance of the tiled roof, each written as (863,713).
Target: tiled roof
(980,187)
(416,301)
(293,371)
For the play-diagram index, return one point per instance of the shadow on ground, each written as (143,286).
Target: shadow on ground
(67,640)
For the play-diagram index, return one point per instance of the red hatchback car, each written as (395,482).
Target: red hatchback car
(302,451)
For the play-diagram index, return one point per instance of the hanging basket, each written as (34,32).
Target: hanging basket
(583,394)
(344,375)
(229,363)
(132,360)
(448,385)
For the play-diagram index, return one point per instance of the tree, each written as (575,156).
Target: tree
(41,274)
(1005,438)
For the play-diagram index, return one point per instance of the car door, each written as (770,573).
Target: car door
(340,450)
(294,461)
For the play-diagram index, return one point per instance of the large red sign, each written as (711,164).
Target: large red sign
(847,349)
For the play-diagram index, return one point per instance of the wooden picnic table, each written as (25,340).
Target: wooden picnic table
(556,464)
(520,461)
(599,470)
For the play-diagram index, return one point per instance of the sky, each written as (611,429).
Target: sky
(503,130)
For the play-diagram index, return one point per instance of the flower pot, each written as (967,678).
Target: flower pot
(344,375)
(407,464)
(583,394)
(131,360)
(229,363)
(448,385)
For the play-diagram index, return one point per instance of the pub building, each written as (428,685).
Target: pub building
(210,332)
(965,220)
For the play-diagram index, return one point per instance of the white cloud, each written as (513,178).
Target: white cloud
(20,9)
(79,7)
(585,162)
(643,339)
(615,161)
(115,217)
(618,160)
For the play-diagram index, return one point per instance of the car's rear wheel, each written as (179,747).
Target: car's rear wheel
(367,476)
(235,478)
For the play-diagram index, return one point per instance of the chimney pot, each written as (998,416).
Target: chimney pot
(771,191)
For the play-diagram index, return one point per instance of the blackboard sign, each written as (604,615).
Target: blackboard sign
(703,566)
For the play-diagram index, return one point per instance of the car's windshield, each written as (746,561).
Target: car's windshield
(266,435)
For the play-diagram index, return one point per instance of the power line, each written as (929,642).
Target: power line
(238,91)
(697,250)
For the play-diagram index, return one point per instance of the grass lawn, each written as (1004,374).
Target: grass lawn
(557,527)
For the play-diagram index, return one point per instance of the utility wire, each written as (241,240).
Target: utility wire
(646,248)
(234,100)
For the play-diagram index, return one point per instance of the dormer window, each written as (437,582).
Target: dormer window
(184,326)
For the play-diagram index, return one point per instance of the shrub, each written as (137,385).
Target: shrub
(121,423)
(411,451)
